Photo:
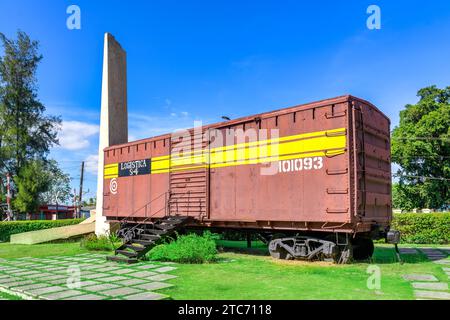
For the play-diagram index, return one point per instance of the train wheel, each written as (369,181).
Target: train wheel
(362,248)
(345,252)
(276,251)
(279,253)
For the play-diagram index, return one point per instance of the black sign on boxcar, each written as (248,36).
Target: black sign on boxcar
(135,168)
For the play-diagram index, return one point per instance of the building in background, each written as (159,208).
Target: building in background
(51,212)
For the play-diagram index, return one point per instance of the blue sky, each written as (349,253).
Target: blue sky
(199,60)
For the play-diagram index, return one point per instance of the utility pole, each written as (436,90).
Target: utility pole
(75,204)
(81,189)
(8,197)
(57,206)
(1,192)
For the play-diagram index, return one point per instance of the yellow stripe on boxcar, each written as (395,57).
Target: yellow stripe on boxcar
(313,144)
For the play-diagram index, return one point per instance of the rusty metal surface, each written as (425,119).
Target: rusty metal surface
(188,186)
(348,189)
(141,195)
(373,164)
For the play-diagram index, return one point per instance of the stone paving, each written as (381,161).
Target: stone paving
(85,276)
(408,251)
(428,286)
(420,277)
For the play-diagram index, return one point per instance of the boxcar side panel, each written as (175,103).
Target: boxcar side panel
(126,184)
(313,161)
(136,192)
(142,186)
(333,171)
(160,176)
(222,182)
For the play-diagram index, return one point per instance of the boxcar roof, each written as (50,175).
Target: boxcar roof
(268,114)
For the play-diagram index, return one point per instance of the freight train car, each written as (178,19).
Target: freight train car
(313,180)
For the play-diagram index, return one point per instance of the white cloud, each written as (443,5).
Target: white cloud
(75,134)
(145,126)
(91,164)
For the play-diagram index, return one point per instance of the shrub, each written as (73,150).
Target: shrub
(101,243)
(7,228)
(236,235)
(423,228)
(191,248)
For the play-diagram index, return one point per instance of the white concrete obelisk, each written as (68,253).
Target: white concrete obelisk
(114,116)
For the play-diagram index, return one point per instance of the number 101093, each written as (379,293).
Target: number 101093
(315,163)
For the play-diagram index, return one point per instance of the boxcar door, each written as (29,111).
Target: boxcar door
(189,175)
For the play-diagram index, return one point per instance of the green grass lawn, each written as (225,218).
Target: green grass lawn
(8,250)
(250,276)
(244,273)
(6,296)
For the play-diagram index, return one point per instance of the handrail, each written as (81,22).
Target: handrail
(143,221)
(148,218)
(145,206)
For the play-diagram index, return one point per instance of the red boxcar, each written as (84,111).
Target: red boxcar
(321,171)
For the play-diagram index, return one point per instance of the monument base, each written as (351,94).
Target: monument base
(102,227)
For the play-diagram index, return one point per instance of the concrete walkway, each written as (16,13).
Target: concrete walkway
(84,277)
(428,286)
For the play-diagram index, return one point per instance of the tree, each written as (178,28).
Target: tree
(27,133)
(59,185)
(90,203)
(421,147)
(401,199)
(33,179)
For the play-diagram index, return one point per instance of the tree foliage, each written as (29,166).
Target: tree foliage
(32,180)
(27,132)
(402,199)
(40,182)
(59,185)
(90,202)
(421,147)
